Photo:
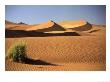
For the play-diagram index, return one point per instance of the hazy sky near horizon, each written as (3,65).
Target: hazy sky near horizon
(35,14)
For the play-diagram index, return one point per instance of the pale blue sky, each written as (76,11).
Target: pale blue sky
(35,14)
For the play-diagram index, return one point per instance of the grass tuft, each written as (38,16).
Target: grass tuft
(17,52)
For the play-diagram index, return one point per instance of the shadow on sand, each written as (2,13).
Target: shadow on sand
(36,62)
(22,33)
(94,31)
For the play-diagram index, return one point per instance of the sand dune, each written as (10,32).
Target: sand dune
(16,26)
(79,25)
(48,26)
(84,51)
(9,24)
(71,24)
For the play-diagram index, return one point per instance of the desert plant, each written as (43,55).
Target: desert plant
(17,52)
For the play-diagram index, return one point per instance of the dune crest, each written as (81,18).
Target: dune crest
(16,26)
(79,25)
(47,26)
(8,22)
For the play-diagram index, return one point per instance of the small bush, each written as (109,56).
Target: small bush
(17,52)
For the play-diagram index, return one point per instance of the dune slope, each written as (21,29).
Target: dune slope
(45,27)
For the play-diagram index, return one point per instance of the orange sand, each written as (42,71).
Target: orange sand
(86,52)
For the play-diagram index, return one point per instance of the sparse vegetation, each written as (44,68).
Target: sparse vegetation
(17,52)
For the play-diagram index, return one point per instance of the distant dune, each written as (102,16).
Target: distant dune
(8,22)
(51,26)
(72,24)
(16,26)
(79,25)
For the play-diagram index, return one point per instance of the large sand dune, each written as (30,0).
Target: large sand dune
(79,25)
(84,52)
(45,27)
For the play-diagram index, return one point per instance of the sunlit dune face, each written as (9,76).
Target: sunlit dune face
(42,26)
(16,26)
(72,24)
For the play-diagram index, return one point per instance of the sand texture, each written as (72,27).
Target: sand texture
(59,47)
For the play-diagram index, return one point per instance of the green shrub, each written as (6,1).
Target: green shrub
(17,52)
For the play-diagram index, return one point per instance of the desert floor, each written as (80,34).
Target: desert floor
(79,53)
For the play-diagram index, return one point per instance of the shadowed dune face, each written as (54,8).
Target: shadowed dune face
(97,30)
(45,27)
(80,25)
(94,31)
(85,27)
(21,33)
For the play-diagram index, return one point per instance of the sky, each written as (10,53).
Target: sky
(35,14)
